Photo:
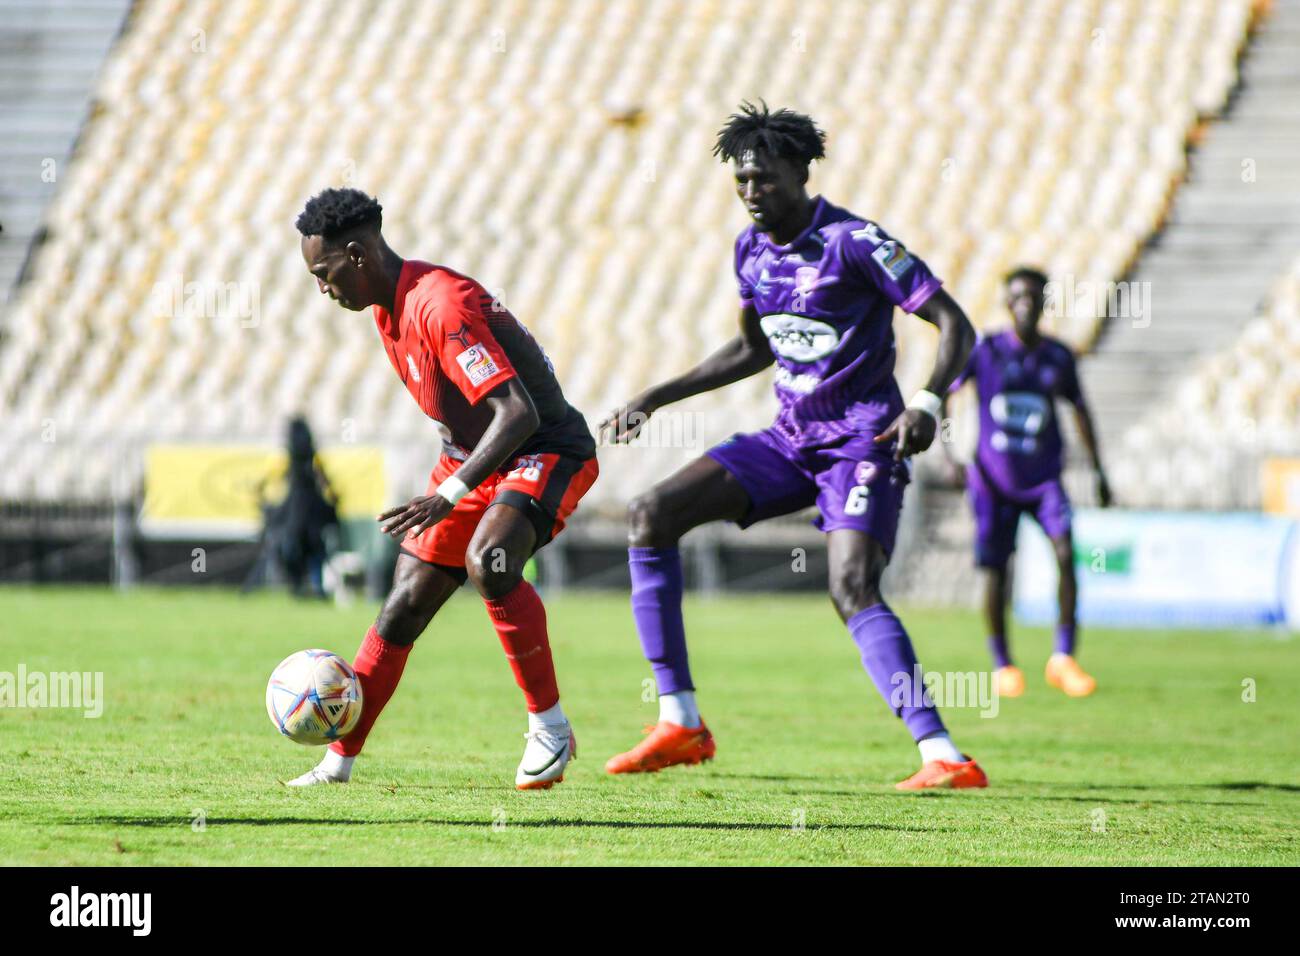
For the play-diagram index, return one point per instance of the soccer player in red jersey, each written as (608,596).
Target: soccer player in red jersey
(512,441)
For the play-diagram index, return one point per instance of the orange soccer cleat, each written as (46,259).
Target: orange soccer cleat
(944,774)
(666,745)
(1063,672)
(1010,681)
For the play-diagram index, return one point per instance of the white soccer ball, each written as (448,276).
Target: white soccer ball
(314,697)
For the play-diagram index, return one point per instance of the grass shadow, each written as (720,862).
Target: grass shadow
(161,822)
(1249,785)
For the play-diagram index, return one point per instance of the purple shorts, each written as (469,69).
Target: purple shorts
(997,515)
(855,483)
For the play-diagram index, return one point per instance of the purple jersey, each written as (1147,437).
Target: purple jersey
(1020,445)
(826,302)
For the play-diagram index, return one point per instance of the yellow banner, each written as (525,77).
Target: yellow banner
(214,485)
(1280,478)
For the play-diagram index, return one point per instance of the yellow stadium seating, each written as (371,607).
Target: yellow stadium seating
(561,153)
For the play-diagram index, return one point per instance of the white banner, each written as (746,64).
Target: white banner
(1167,568)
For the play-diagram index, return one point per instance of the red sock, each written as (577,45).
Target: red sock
(379,665)
(520,621)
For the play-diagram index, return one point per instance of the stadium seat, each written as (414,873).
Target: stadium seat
(560,152)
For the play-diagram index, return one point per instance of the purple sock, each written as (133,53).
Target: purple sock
(1000,650)
(657,608)
(1065,638)
(888,657)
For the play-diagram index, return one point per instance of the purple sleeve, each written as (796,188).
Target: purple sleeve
(968,369)
(1070,389)
(742,257)
(882,261)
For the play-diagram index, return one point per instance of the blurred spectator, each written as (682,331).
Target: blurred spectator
(293,535)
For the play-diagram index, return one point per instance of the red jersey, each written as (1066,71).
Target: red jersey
(451,344)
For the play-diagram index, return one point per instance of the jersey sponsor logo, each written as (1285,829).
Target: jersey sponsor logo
(893,258)
(1024,412)
(1007,443)
(415,372)
(865,472)
(477,364)
(1021,418)
(801,384)
(799,338)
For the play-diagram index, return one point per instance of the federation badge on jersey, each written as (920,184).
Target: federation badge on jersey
(893,258)
(477,364)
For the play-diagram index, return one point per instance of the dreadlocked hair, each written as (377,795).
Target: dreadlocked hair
(783,133)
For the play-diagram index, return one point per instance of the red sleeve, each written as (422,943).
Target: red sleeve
(467,351)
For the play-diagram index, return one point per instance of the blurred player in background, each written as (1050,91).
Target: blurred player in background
(1019,373)
(514,442)
(295,529)
(818,288)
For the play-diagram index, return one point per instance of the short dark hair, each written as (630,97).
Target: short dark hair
(783,133)
(1026,272)
(333,212)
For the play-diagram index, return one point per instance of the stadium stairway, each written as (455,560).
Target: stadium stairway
(1234,226)
(51,52)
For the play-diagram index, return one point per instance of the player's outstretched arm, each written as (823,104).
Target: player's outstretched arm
(1088,435)
(745,355)
(514,419)
(954,473)
(915,428)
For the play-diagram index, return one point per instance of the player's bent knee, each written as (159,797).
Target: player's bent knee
(404,616)
(494,572)
(412,603)
(854,590)
(645,519)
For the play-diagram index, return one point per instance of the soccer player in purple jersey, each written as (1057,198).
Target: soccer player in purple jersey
(1019,373)
(818,288)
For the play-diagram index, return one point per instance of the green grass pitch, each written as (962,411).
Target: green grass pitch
(1166,764)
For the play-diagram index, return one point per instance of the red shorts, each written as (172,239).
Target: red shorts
(545,487)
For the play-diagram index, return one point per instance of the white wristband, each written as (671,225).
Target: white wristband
(453,489)
(927,402)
